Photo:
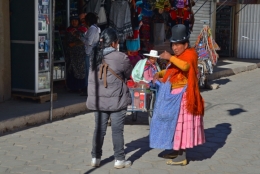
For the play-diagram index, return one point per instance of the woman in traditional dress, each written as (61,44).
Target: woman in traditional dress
(75,55)
(182,73)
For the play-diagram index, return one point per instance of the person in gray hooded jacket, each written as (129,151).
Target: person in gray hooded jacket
(109,96)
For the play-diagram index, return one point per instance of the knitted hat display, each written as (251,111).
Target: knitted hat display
(159,4)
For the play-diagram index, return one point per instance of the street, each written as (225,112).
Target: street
(231,121)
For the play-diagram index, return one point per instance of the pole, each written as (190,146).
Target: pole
(52,55)
(68,13)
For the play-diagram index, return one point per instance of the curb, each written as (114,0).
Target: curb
(234,71)
(58,113)
(41,117)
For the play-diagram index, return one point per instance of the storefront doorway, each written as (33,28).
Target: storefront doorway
(224,21)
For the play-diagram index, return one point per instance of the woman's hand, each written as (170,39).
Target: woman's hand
(155,77)
(165,55)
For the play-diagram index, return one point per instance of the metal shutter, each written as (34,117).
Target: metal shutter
(248,32)
(202,14)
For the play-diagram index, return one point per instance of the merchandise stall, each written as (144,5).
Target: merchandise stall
(206,48)
(32,37)
(31,44)
(224,30)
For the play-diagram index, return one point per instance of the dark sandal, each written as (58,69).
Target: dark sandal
(170,156)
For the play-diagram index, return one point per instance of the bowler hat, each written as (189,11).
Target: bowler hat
(179,34)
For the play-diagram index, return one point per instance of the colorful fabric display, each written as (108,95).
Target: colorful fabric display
(120,19)
(133,42)
(182,3)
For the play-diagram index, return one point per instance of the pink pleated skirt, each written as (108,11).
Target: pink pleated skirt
(189,129)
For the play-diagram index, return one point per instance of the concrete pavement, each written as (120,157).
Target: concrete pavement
(231,128)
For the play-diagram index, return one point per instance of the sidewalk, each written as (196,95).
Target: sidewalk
(21,113)
(231,126)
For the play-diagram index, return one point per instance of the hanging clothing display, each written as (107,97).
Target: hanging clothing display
(93,6)
(102,17)
(158,28)
(146,32)
(206,45)
(162,4)
(181,13)
(120,18)
(133,42)
(206,48)
(181,3)
(97,7)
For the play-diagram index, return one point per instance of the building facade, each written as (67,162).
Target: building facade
(248,36)
(5,52)
(243,42)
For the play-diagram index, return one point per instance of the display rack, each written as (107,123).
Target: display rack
(31,42)
(59,67)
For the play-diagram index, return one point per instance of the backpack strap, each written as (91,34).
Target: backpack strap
(103,69)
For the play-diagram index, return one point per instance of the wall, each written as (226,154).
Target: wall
(248,37)
(5,57)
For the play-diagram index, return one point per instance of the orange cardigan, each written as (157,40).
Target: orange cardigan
(184,66)
(182,71)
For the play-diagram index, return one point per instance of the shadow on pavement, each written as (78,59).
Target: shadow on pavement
(221,81)
(215,139)
(236,111)
(142,144)
(237,108)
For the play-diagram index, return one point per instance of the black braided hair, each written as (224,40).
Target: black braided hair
(108,36)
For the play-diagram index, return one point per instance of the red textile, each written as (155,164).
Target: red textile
(186,14)
(173,14)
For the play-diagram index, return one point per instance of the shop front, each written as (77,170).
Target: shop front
(32,37)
